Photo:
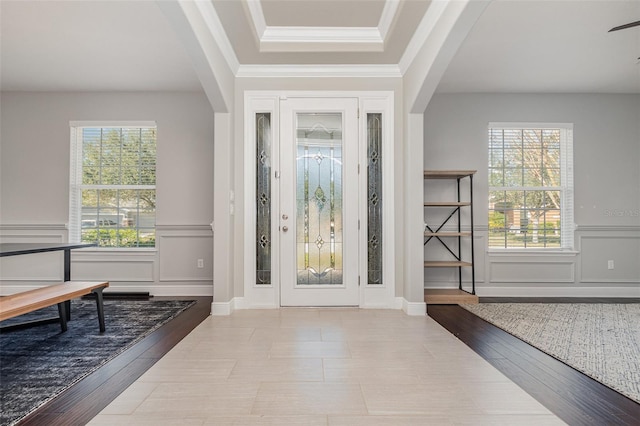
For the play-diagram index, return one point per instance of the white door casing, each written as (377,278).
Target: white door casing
(283,258)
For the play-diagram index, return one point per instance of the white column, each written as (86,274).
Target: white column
(413,216)
(223,215)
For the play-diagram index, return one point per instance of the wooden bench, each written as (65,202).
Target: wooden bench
(31,300)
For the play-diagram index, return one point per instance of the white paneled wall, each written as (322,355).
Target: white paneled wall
(169,269)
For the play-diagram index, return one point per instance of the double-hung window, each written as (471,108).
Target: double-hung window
(530,186)
(113,184)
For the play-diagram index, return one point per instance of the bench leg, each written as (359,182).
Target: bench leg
(100,306)
(67,309)
(62,311)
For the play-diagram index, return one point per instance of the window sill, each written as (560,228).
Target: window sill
(118,250)
(531,252)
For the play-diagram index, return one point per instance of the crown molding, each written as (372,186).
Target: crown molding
(322,39)
(306,71)
(422,33)
(213,23)
(257,17)
(386,18)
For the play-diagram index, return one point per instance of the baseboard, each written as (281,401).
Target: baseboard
(222,308)
(540,291)
(205,290)
(414,308)
(166,290)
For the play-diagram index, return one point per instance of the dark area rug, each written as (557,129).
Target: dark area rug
(38,363)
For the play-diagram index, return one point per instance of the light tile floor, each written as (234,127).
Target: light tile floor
(323,367)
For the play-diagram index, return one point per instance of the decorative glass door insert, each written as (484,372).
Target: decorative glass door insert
(374,198)
(319,198)
(318,218)
(263,199)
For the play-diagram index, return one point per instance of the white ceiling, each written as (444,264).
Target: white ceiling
(90,45)
(516,46)
(549,47)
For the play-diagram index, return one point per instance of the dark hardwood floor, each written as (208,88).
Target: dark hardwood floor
(574,397)
(80,403)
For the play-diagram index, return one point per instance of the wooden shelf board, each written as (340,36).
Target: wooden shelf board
(447,174)
(444,263)
(447,234)
(448,296)
(446,203)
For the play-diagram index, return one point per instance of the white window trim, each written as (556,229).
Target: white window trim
(112,123)
(75,176)
(567,232)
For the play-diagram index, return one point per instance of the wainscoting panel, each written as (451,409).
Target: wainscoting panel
(598,248)
(171,269)
(180,249)
(531,271)
(39,268)
(114,266)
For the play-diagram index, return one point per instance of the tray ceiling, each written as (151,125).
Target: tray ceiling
(320,32)
(516,46)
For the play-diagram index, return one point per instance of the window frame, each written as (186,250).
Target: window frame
(76,173)
(566,187)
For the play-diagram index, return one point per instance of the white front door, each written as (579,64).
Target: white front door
(318,215)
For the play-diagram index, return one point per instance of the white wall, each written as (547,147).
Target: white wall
(607,190)
(35,185)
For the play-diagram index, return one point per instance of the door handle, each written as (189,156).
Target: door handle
(285,228)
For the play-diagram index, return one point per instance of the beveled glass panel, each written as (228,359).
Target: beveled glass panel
(263,198)
(319,198)
(374,198)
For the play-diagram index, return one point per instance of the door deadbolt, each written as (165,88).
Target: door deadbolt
(285,217)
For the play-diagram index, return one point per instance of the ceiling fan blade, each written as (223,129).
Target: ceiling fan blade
(625,26)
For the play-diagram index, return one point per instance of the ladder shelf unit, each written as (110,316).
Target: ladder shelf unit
(454,208)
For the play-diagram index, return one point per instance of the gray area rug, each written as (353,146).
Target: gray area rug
(39,363)
(599,340)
